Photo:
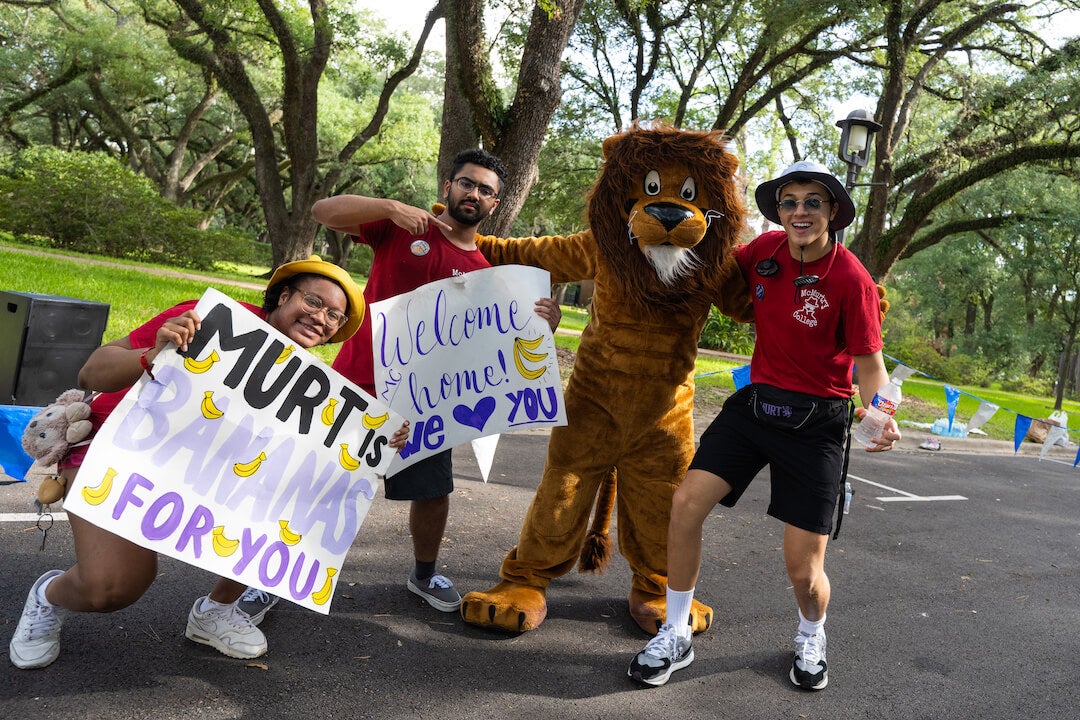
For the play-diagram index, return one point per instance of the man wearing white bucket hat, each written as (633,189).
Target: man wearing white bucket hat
(817,311)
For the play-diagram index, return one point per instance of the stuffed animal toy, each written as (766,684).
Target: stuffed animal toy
(50,434)
(664,215)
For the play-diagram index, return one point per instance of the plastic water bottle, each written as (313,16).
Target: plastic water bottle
(882,407)
(848,492)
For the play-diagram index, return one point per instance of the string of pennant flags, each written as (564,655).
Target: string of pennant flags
(1055,433)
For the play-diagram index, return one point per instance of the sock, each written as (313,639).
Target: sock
(41,591)
(678,610)
(207,604)
(810,627)
(425,570)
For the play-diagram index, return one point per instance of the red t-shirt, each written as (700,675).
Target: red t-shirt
(143,336)
(402,263)
(807,337)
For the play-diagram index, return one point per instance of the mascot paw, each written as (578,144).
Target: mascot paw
(649,612)
(507,606)
(883,304)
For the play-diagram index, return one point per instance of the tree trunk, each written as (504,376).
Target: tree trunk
(458,128)
(515,134)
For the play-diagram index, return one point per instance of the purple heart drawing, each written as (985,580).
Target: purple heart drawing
(475,417)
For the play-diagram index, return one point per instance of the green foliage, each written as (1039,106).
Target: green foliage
(722,333)
(89,202)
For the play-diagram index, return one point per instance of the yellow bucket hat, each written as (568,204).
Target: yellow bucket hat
(315,265)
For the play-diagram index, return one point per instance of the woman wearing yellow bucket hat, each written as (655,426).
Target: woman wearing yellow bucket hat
(310,301)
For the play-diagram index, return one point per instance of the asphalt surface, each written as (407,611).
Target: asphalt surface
(941,608)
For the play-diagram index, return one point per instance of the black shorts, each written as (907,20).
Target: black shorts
(429,478)
(806,465)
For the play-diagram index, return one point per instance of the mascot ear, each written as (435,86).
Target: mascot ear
(883,304)
(609,145)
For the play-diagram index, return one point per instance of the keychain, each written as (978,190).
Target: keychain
(44,522)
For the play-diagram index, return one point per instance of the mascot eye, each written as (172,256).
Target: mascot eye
(689,189)
(652,183)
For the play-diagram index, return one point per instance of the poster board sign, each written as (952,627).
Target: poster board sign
(245,455)
(467,357)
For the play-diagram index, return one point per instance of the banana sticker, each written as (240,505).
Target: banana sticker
(322,596)
(523,352)
(287,535)
(284,355)
(249,468)
(223,546)
(374,423)
(346,460)
(328,412)
(210,411)
(97,495)
(200,366)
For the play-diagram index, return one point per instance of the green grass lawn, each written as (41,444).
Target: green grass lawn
(135,295)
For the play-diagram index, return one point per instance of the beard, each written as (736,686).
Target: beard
(670,262)
(468,216)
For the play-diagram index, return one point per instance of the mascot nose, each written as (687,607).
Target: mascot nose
(669,214)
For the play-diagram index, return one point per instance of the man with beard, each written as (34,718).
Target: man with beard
(412,248)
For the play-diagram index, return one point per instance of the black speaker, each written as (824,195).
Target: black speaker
(44,341)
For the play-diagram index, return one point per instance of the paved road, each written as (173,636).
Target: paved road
(941,609)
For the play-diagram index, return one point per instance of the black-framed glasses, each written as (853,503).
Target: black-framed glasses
(312,304)
(467,186)
(809,205)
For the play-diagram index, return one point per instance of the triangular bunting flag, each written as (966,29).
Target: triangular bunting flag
(984,413)
(1023,422)
(952,399)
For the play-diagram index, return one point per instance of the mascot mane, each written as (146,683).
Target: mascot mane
(628,157)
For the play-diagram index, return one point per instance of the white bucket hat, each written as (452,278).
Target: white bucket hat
(767,193)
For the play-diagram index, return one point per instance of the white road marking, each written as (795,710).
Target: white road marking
(30,517)
(905,496)
(921,498)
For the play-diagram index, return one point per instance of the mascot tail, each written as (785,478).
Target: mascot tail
(596,553)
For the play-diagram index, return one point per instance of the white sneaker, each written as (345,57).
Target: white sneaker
(255,602)
(37,637)
(809,670)
(226,629)
(663,655)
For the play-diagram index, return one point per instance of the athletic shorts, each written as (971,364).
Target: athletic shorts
(426,479)
(805,465)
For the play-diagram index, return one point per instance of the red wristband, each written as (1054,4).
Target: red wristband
(146,364)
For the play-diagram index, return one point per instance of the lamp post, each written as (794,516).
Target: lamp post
(856,135)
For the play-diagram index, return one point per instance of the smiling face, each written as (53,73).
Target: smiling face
(296,318)
(807,228)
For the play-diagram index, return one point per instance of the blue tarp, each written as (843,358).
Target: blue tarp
(13,420)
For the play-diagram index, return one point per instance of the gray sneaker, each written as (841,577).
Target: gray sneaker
(255,602)
(809,669)
(37,637)
(663,655)
(437,590)
(225,629)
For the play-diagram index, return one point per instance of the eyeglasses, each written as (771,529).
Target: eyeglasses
(312,304)
(467,186)
(810,205)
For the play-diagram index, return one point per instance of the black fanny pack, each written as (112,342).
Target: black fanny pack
(788,410)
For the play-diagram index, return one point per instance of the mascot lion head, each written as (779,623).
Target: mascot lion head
(665,212)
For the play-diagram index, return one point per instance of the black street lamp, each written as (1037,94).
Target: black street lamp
(856,138)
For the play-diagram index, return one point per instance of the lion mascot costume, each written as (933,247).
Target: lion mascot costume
(664,215)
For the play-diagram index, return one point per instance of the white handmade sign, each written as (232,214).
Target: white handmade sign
(467,357)
(244,455)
